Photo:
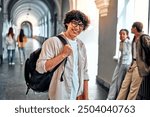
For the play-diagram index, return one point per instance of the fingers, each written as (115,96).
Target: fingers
(67,50)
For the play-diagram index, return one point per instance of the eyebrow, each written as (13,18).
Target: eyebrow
(78,21)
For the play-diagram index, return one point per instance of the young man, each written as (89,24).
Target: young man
(75,77)
(133,78)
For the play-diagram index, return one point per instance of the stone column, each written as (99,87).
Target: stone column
(106,40)
(102,5)
(1,29)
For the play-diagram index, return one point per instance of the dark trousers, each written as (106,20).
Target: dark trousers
(144,91)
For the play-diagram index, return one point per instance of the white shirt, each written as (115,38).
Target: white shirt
(75,79)
(10,42)
(134,50)
(62,90)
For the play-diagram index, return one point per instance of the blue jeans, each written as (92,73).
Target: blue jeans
(21,54)
(11,55)
(117,79)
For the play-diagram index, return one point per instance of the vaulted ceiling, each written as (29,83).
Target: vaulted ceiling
(28,10)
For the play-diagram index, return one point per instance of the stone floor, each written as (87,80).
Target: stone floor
(13,87)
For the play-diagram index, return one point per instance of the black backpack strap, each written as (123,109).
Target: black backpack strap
(61,79)
(65,60)
(62,39)
(27,90)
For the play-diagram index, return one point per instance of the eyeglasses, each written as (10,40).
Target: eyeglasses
(77,23)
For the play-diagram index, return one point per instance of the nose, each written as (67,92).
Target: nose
(77,27)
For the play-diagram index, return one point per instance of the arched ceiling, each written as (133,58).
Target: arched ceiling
(28,10)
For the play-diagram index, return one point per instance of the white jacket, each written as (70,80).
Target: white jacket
(10,42)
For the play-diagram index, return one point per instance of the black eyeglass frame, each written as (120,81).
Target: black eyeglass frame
(75,23)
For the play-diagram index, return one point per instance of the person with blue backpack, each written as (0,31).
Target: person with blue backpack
(74,84)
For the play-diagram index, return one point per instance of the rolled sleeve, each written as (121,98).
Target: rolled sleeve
(48,51)
(40,66)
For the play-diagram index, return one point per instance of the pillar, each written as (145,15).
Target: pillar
(1,29)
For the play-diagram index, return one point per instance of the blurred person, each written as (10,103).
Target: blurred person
(11,46)
(22,40)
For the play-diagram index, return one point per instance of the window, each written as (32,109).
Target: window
(130,11)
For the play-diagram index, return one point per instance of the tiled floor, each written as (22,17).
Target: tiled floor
(13,87)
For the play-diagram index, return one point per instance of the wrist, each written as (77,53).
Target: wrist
(63,55)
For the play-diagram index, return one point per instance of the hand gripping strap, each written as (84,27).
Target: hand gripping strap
(65,59)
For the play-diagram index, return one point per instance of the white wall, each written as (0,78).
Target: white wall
(130,11)
(90,36)
(141,13)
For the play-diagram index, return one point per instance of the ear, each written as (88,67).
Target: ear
(135,28)
(67,24)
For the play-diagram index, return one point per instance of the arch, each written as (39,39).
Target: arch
(36,9)
(21,11)
(27,27)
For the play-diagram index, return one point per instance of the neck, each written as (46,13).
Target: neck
(68,36)
(137,36)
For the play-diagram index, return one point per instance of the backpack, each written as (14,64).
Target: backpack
(34,80)
(145,44)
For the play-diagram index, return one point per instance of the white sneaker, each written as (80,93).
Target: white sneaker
(9,63)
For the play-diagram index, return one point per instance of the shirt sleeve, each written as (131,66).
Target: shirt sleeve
(47,52)
(86,76)
(127,48)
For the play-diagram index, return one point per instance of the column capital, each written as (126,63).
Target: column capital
(102,5)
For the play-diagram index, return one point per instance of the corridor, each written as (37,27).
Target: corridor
(41,19)
(13,87)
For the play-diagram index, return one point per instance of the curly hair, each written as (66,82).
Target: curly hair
(78,16)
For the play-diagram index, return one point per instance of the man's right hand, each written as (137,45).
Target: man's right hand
(67,50)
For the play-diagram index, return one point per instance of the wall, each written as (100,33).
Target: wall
(90,36)
(1,48)
(107,45)
(64,9)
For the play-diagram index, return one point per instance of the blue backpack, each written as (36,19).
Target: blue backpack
(34,80)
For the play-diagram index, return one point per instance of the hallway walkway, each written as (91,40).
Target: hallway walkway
(13,87)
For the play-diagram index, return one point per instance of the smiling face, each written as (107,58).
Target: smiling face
(74,28)
(75,22)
